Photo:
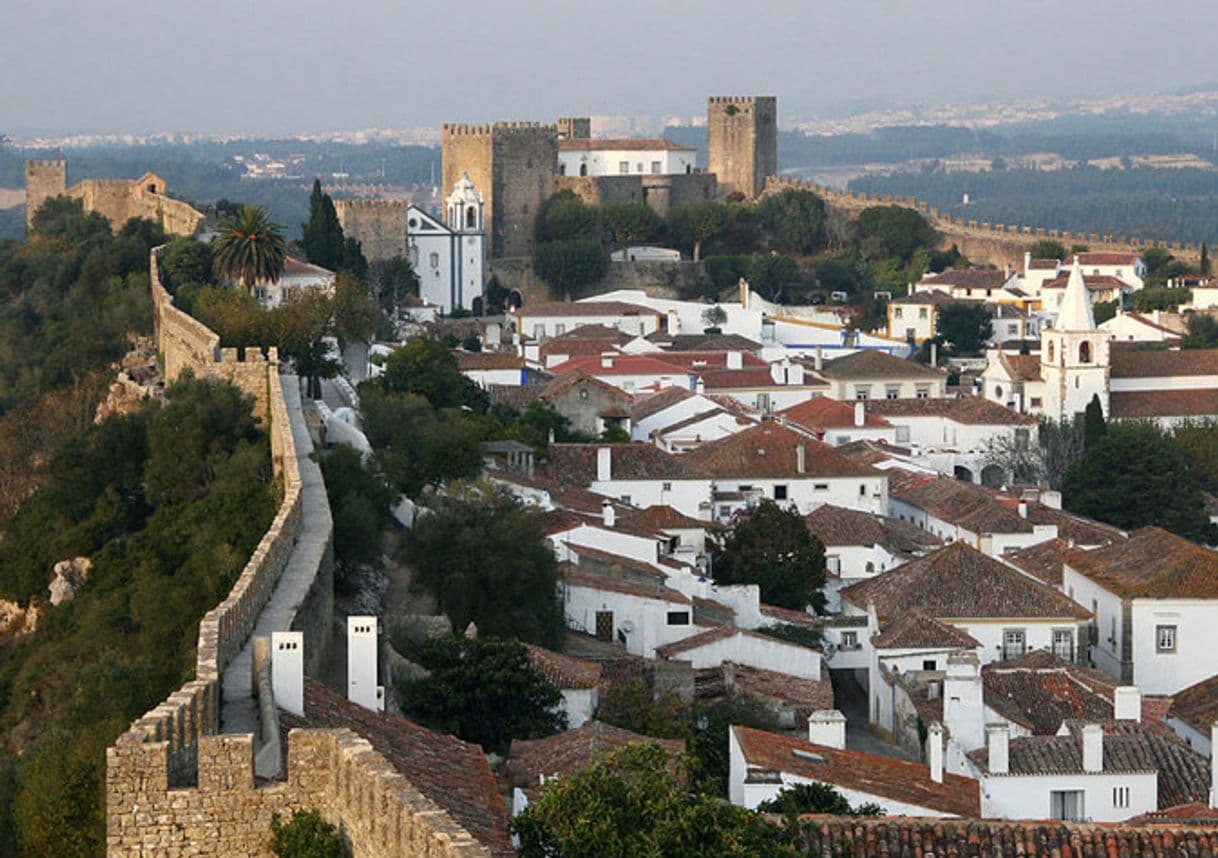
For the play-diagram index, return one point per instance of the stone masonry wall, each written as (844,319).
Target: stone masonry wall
(984,243)
(118,200)
(525,159)
(657,279)
(43,180)
(378,225)
(742,142)
(228,813)
(661,192)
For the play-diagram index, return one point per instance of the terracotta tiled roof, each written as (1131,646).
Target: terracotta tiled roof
(621,144)
(1152,563)
(514,396)
(770,450)
(550,309)
(621,364)
(1041,699)
(960,503)
(969,278)
(834,525)
(565,349)
(788,616)
(1071,527)
(574,578)
(1025,367)
(918,631)
(1193,812)
(1151,323)
(973,410)
(1197,705)
(750,377)
(1102,258)
(870,363)
(666,518)
(452,773)
(577,462)
(293,267)
(1094,282)
(805,695)
(572,751)
(588,332)
(698,640)
(699,361)
(1130,404)
(564,671)
(897,780)
(488,360)
(893,836)
(959,582)
(1042,561)
(646,406)
(1044,264)
(1161,363)
(821,413)
(934,297)
(703,342)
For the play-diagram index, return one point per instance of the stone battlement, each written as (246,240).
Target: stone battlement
(994,244)
(738,99)
(373,204)
(46,162)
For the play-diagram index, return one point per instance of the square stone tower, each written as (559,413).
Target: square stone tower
(574,128)
(742,142)
(43,180)
(514,166)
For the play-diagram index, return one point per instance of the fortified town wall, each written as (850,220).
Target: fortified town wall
(983,243)
(378,225)
(174,785)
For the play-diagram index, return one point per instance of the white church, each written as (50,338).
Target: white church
(449,258)
(1078,360)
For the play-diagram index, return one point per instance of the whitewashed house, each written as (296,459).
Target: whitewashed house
(577,679)
(554,318)
(624,157)
(835,422)
(873,374)
(1193,715)
(640,615)
(713,646)
(297,276)
(1154,599)
(638,474)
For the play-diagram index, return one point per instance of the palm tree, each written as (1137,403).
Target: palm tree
(249,248)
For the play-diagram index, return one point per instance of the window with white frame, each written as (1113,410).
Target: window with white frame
(1120,796)
(1066,804)
(1165,639)
(1014,643)
(833,563)
(922,393)
(862,392)
(850,640)
(892,393)
(896,312)
(1063,644)
(623,166)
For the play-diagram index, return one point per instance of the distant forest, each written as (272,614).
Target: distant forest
(1164,204)
(203,173)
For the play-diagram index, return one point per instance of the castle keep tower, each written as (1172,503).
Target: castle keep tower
(742,141)
(43,180)
(514,165)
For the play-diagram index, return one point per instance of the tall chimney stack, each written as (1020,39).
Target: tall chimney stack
(1093,748)
(604,464)
(287,671)
(934,751)
(998,745)
(1127,703)
(860,413)
(363,653)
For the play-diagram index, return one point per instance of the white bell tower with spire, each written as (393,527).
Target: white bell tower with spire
(1074,354)
(465,216)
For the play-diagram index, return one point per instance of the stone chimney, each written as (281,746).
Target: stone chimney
(735,360)
(800,458)
(934,751)
(1093,748)
(363,653)
(827,727)
(998,746)
(604,464)
(608,513)
(860,413)
(1127,703)
(287,671)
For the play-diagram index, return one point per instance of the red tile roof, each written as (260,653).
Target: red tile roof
(583,308)
(969,278)
(897,780)
(770,450)
(621,144)
(835,525)
(1025,367)
(574,578)
(488,360)
(918,631)
(646,406)
(1102,258)
(1042,561)
(1131,404)
(1044,264)
(577,463)
(821,413)
(1151,563)
(452,773)
(1040,699)
(622,364)
(1197,705)
(972,410)
(871,363)
(1161,363)
(666,518)
(959,582)
(805,695)
(564,671)
(1094,282)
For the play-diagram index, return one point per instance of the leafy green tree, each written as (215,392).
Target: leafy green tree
(187,261)
(1093,421)
(725,271)
(234,314)
(1105,310)
(629,804)
(1202,332)
(322,236)
(614,434)
(537,422)
(714,316)
(794,220)
(771,275)
(774,549)
(354,262)
(965,325)
(392,280)
(695,223)
(354,310)
(798,799)
(632,705)
(483,555)
(428,368)
(484,690)
(1159,298)
(359,500)
(1136,475)
(631,223)
(1204,266)
(570,266)
(301,325)
(565,217)
(1198,441)
(843,272)
(306,835)
(1046,248)
(249,248)
(893,231)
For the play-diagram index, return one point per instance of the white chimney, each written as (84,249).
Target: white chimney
(606,360)
(604,464)
(827,727)
(1027,261)
(934,751)
(800,458)
(1213,767)
(745,296)
(1093,748)
(1127,703)
(287,671)
(700,386)
(674,323)
(1023,509)
(735,360)
(860,413)
(818,359)
(362,656)
(998,746)
(608,513)
(934,354)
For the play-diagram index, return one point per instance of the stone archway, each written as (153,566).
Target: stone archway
(992,476)
(963,473)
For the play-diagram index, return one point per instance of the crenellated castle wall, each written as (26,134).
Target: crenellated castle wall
(118,200)
(983,243)
(378,225)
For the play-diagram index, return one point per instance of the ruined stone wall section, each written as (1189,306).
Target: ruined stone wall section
(118,200)
(43,180)
(229,813)
(378,225)
(984,243)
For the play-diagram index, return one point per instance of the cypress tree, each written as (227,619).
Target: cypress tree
(322,236)
(1205,258)
(1093,422)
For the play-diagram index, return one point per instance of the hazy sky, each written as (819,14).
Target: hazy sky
(274,66)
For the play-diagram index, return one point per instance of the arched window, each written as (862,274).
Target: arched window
(998,391)
(1084,352)
(471,217)
(1050,351)
(562,169)
(434,260)
(583,169)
